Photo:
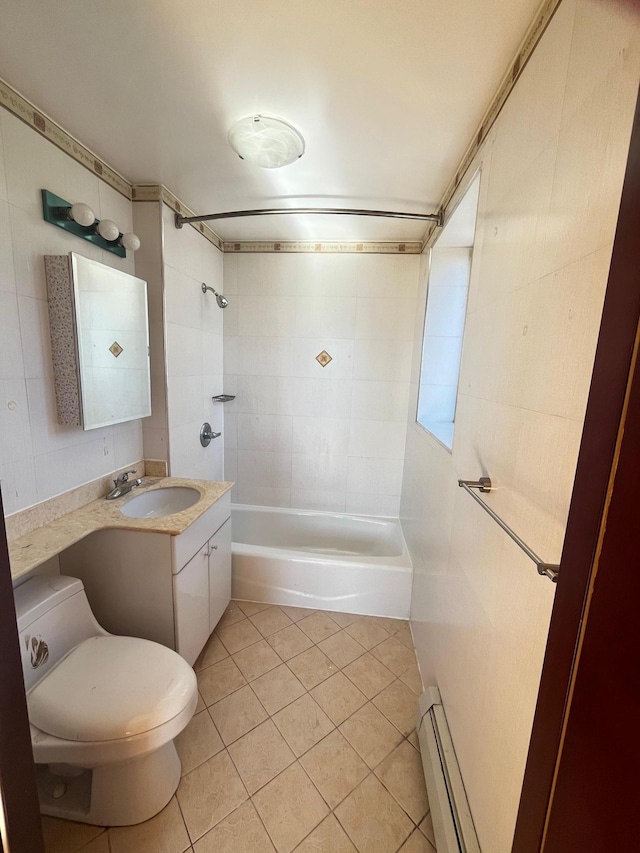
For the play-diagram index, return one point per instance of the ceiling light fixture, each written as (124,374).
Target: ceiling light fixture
(266,141)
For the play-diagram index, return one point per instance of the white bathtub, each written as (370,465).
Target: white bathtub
(350,563)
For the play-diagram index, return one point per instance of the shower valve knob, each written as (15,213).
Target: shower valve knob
(207,434)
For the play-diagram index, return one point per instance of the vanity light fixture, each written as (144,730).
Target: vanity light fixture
(266,141)
(80,220)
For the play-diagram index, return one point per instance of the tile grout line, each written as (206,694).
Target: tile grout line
(397,678)
(339,669)
(186,828)
(297,759)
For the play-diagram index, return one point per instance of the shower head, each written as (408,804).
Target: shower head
(220,299)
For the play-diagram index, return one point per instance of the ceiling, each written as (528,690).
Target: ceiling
(387,94)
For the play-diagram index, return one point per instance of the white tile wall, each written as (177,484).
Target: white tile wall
(264,432)
(552,176)
(385,401)
(299,434)
(147,219)
(193,339)
(323,471)
(382,360)
(38,457)
(321,436)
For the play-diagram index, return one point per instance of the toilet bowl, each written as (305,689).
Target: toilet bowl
(103,709)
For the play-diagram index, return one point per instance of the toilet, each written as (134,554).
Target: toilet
(103,709)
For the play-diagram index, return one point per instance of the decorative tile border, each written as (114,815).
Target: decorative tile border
(158,192)
(27,112)
(528,45)
(327,248)
(45,126)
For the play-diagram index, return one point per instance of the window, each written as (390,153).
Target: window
(448,286)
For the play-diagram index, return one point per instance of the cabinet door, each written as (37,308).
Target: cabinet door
(191,602)
(219,573)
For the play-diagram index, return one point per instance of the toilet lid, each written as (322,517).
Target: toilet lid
(110,688)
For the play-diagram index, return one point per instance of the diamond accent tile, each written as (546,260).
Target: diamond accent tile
(323,358)
(115,349)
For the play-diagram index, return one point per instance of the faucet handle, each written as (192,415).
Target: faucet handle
(123,478)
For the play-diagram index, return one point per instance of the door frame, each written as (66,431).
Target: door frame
(20,823)
(604,420)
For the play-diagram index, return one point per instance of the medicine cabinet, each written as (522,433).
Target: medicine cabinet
(99,342)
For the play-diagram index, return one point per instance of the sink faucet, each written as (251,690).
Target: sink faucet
(123,485)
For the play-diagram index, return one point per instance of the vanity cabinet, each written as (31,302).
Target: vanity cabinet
(170,589)
(202,591)
(191,605)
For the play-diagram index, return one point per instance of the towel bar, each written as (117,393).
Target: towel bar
(549,570)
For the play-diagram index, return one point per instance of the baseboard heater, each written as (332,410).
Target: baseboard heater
(452,821)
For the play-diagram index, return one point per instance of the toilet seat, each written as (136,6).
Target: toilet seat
(111,688)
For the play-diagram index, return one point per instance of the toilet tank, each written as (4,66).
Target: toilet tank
(53,617)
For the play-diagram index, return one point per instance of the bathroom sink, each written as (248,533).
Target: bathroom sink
(159,502)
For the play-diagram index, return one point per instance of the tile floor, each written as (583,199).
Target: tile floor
(303,740)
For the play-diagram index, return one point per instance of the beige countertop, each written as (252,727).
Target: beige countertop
(45,542)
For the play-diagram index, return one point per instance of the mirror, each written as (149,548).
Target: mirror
(99,342)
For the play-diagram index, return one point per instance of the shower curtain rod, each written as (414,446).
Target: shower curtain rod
(438,218)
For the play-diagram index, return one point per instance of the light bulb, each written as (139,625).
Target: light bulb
(130,241)
(108,230)
(82,214)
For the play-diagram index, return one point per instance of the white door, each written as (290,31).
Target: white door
(191,603)
(219,573)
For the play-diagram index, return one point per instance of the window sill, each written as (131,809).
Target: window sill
(442,431)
